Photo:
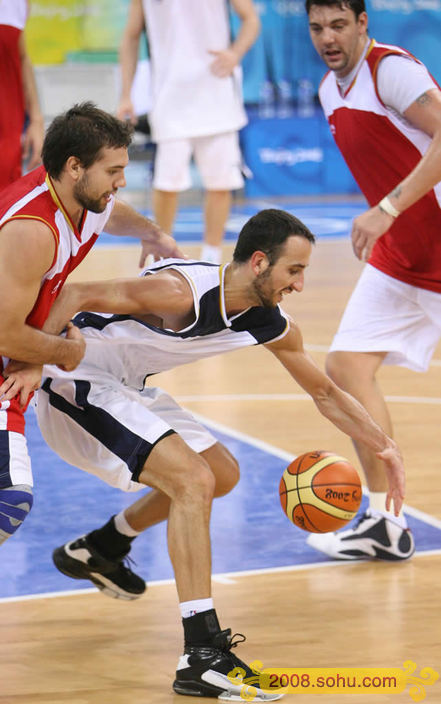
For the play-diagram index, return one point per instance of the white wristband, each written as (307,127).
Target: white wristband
(386,206)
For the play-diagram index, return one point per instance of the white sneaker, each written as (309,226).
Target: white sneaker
(372,537)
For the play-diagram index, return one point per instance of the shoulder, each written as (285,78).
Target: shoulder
(291,341)
(29,244)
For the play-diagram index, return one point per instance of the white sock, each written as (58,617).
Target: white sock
(211,253)
(377,504)
(123,527)
(196,606)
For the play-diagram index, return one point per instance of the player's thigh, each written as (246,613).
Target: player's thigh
(103,429)
(384,315)
(179,472)
(219,161)
(172,165)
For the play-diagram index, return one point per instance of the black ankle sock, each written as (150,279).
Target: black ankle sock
(201,628)
(108,541)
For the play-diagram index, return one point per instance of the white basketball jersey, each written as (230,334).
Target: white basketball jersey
(130,350)
(188,100)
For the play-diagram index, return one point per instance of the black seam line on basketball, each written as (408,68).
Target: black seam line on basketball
(313,486)
(301,503)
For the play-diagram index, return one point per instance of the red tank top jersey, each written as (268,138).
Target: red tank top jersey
(381,149)
(33,197)
(13,15)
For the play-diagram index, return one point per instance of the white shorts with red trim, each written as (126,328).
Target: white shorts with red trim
(384,314)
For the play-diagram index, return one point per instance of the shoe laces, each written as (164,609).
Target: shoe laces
(234,643)
(127,563)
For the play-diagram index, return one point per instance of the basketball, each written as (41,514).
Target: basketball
(320,492)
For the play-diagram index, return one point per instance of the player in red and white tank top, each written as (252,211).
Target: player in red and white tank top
(17,82)
(384,111)
(49,220)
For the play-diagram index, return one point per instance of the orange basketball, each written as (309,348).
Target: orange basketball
(320,492)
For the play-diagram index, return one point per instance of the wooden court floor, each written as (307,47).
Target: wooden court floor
(88,649)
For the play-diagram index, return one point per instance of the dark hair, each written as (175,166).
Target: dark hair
(267,231)
(82,131)
(357,6)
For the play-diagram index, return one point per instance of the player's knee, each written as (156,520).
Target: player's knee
(15,504)
(196,482)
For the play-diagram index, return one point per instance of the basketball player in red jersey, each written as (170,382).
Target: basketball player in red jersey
(19,95)
(49,220)
(384,110)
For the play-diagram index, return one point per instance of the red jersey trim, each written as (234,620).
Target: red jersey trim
(61,207)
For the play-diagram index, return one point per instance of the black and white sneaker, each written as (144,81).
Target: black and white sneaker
(373,537)
(213,671)
(80,560)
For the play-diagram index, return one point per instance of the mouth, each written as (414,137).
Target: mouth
(332,55)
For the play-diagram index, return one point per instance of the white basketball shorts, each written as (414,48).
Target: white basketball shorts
(387,315)
(109,430)
(217,157)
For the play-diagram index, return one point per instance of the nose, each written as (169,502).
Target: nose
(327,36)
(120,182)
(299,283)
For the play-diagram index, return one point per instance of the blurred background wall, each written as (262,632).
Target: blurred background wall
(287,145)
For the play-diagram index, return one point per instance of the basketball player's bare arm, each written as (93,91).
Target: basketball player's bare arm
(424,114)
(34,132)
(126,221)
(164,294)
(341,409)
(128,59)
(225,61)
(161,295)
(26,252)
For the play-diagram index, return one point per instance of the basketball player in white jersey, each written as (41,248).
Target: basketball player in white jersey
(197,106)
(102,417)
(384,110)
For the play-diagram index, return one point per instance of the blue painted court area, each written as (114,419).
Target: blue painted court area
(323,219)
(249,529)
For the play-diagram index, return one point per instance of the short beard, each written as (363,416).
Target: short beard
(81,196)
(264,300)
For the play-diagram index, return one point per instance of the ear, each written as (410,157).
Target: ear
(362,22)
(74,167)
(259,262)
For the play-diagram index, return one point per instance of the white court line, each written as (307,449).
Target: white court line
(230,577)
(216,398)
(288,457)
(325,348)
(222,578)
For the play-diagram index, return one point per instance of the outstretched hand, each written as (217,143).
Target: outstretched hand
(163,246)
(394,467)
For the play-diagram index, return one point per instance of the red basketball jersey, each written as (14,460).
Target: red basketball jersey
(381,148)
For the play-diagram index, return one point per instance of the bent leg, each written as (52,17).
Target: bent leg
(152,508)
(185,477)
